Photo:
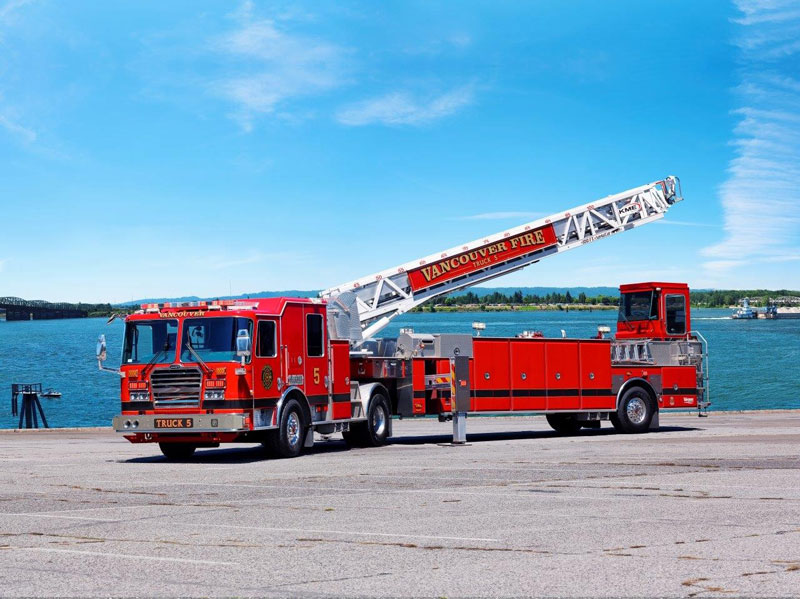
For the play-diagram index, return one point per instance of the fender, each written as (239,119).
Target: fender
(637,382)
(303,404)
(367,391)
(648,386)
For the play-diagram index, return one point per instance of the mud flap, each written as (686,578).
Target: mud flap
(309,440)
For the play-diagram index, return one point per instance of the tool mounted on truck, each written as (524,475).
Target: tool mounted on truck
(276,370)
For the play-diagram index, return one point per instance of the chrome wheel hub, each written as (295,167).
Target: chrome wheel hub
(636,410)
(293,429)
(379,420)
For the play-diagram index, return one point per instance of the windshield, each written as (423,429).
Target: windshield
(213,338)
(147,340)
(641,305)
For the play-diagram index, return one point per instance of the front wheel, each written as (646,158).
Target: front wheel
(635,412)
(287,441)
(176,452)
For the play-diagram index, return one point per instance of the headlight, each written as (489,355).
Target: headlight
(212,394)
(140,396)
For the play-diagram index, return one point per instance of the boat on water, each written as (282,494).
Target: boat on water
(745,312)
(51,393)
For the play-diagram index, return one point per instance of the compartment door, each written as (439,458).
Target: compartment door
(595,361)
(561,372)
(528,390)
(491,381)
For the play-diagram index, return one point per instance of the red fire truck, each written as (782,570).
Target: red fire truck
(277,370)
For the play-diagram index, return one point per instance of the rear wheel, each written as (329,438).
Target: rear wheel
(287,441)
(635,411)
(564,424)
(177,451)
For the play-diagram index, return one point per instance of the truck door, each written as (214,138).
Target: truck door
(292,343)
(267,362)
(316,362)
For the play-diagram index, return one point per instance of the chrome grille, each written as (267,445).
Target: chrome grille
(176,387)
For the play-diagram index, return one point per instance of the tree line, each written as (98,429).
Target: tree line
(706,299)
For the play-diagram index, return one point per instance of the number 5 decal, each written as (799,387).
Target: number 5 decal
(316,376)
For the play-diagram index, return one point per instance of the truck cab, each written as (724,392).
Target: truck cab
(196,374)
(654,311)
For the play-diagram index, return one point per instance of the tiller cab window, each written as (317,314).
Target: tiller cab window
(212,339)
(150,341)
(641,305)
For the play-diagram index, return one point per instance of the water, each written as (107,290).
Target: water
(754,364)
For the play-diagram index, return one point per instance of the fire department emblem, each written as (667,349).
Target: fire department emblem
(266,376)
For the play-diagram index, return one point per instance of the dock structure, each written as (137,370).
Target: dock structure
(701,507)
(16,308)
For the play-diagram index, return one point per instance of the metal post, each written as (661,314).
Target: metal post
(459,428)
(459,397)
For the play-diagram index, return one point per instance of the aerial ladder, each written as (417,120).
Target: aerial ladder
(359,309)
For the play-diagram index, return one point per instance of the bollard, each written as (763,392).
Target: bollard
(459,428)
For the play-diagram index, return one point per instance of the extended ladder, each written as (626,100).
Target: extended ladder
(379,297)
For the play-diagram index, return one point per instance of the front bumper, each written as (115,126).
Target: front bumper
(177,423)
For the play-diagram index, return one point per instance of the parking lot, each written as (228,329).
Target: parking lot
(701,507)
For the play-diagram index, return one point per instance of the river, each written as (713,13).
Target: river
(754,364)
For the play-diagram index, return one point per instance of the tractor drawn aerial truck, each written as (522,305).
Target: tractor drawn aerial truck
(277,370)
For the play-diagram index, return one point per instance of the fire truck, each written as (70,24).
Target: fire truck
(278,370)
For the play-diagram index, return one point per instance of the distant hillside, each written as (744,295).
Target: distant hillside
(479,291)
(194,298)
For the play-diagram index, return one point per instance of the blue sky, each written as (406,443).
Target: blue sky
(177,148)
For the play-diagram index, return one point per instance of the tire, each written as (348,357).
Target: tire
(375,430)
(287,441)
(177,452)
(564,424)
(635,412)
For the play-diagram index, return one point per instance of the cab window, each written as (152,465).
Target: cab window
(314,345)
(266,346)
(676,314)
(640,305)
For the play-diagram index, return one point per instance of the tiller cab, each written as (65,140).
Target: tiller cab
(278,370)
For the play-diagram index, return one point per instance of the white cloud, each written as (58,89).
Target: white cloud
(217,264)
(402,108)
(273,66)
(761,220)
(15,128)
(684,223)
(7,9)
(500,216)
(8,120)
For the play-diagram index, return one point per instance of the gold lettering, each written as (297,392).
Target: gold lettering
(539,237)
(426,272)
(463,259)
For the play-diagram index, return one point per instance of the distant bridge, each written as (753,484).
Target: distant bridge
(16,308)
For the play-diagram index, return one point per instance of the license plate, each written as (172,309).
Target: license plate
(174,422)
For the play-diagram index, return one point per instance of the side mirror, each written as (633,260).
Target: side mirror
(243,343)
(101,349)
(101,356)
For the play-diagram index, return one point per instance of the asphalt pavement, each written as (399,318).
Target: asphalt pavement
(702,507)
